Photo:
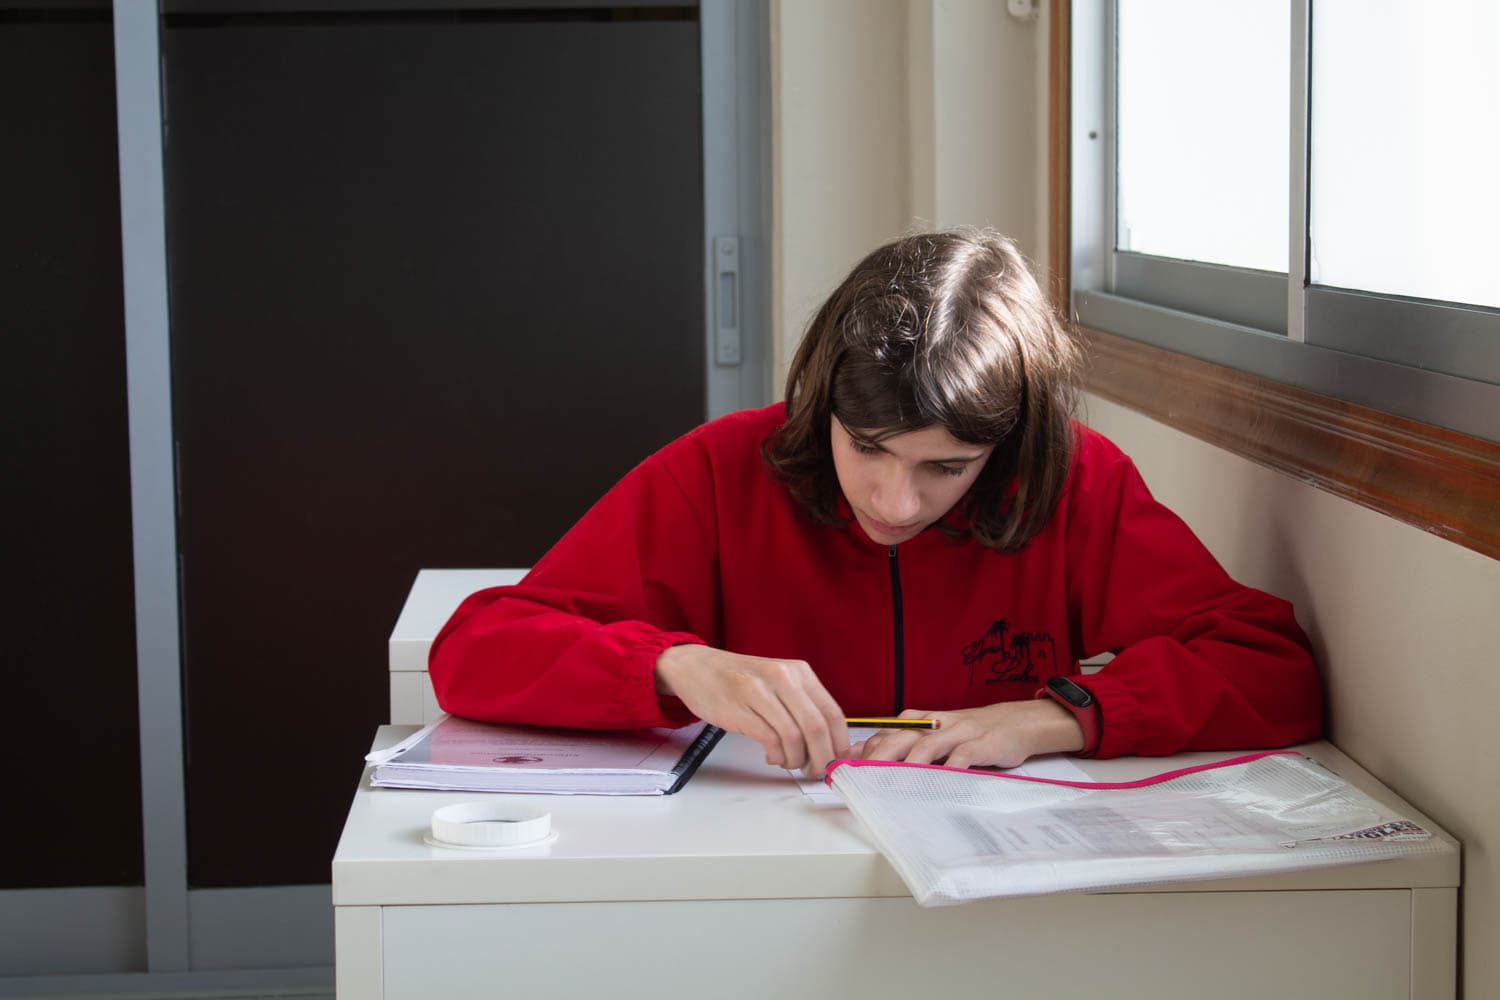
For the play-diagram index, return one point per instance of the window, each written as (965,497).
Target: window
(1300,190)
(1214,150)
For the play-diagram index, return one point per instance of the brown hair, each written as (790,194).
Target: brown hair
(944,329)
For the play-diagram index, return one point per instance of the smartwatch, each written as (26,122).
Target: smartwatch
(1080,704)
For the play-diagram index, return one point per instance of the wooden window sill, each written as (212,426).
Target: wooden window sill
(1435,479)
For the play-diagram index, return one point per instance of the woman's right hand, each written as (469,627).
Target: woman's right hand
(780,704)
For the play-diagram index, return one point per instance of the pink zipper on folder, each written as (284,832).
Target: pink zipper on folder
(1154,779)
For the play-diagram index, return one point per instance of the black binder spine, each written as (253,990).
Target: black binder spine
(687,765)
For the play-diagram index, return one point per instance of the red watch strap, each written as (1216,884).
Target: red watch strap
(1088,719)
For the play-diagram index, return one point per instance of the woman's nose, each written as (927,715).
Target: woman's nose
(895,500)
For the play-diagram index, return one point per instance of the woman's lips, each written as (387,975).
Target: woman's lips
(891,529)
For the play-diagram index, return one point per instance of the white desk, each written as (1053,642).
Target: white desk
(741,886)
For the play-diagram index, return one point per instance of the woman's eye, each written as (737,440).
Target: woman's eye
(951,470)
(864,449)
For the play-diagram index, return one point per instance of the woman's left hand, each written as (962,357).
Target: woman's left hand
(999,735)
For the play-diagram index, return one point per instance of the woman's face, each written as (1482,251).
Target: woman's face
(901,484)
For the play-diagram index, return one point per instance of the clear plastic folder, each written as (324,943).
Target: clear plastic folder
(959,835)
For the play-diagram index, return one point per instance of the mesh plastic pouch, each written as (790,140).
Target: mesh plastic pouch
(956,835)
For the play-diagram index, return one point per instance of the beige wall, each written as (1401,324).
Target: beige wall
(1404,625)
(985,126)
(890,116)
(839,141)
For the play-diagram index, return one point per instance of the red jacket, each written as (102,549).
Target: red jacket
(700,544)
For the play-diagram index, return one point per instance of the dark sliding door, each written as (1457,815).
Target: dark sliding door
(436,282)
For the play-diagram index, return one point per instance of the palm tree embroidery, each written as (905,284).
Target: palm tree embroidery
(1024,656)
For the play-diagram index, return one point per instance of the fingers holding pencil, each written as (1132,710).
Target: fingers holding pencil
(1001,735)
(779,703)
(896,736)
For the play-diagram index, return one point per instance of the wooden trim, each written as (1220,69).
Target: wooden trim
(1438,480)
(1432,478)
(1059,152)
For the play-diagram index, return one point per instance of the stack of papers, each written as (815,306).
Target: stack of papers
(462,755)
(957,835)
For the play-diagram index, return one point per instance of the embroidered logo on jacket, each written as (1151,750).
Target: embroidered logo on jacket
(1000,655)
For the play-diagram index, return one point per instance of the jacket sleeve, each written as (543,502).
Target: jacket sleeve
(1201,662)
(575,643)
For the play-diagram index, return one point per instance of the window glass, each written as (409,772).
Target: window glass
(1405,141)
(1203,95)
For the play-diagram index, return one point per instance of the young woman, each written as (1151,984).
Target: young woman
(920,529)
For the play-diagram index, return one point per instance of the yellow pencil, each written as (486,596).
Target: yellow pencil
(883,723)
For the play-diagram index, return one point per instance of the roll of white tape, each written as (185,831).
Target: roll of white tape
(497,824)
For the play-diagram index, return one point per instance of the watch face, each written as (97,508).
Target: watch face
(1071,693)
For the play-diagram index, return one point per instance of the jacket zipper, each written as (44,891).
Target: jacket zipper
(900,644)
